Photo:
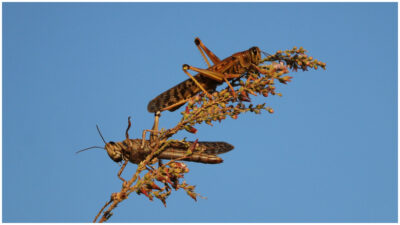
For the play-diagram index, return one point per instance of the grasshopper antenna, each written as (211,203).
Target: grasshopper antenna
(89,148)
(98,129)
(266,53)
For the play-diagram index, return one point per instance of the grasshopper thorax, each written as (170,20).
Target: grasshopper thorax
(114,150)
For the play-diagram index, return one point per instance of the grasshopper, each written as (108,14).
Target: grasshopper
(207,80)
(136,150)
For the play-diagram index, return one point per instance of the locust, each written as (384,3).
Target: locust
(136,150)
(207,80)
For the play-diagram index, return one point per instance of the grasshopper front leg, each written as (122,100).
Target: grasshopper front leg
(126,160)
(121,170)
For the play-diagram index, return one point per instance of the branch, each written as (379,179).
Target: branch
(259,80)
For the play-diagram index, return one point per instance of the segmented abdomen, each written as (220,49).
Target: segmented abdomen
(195,157)
(181,92)
(211,147)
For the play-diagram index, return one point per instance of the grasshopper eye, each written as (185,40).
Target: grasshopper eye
(112,143)
(254,50)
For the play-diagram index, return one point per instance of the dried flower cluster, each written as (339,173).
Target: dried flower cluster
(154,179)
(224,103)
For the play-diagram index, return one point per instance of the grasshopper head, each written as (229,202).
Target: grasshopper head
(114,150)
(255,55)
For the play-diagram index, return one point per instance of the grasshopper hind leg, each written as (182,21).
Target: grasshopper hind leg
(155,125)
(209,53)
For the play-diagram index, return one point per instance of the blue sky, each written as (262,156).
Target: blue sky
(327,154)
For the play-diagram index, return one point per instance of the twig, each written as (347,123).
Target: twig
(207,109)
(101,210)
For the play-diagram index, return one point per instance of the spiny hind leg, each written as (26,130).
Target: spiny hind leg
(155,125)
(153,130)
(203,49)
(217,76)
(156,119)
(185,69)
(176,105)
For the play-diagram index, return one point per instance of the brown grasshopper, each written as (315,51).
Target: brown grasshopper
(136,150)
(207,80)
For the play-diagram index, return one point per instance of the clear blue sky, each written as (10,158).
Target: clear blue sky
(327,154)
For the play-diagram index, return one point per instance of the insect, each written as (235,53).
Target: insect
(136,150)
(207,80)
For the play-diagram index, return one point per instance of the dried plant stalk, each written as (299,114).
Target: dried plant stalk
(156,180)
